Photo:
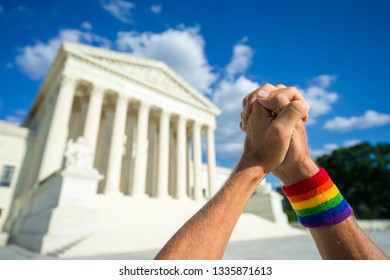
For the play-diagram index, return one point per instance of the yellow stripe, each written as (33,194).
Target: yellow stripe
(318,199)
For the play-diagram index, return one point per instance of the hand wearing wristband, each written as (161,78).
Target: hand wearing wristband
(276,141)
(317,201)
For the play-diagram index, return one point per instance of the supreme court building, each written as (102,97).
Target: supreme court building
(104,125)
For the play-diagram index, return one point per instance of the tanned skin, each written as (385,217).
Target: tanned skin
(273,119)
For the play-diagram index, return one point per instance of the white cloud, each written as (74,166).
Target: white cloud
(183,50)
(330,147)
(320,152)
(156,9)
(232,89)
(120,9)
(17,116)
(369,119)
(228,96)
(230,150)
(325,150)
(34,60)
(324,80)
(351,143)
(230,92)
(241,60)
(86,25)
(319,96)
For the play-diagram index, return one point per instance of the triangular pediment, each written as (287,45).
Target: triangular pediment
(149,72)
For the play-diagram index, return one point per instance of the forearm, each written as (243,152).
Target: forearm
(321,207)
(346,240)
(207,233)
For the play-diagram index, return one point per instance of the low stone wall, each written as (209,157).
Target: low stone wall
(374,224)
(369,225)
(59,212)
(3,238)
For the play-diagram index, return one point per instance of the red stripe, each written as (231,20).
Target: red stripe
(307,185)
(308,195)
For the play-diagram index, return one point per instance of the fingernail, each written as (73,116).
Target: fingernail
(263,94)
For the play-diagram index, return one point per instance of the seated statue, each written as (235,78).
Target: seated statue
(78,155)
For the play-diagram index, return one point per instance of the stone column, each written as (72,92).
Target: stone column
(181,168)
(116,147)
(53,153)
(197,161)
(211,160)
(163,158)
(141,155)
(92,121)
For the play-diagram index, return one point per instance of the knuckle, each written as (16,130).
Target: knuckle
(296,105)
(300,108)
(252,97)
(281,99)
(268,87)
(279,132)
(294,89)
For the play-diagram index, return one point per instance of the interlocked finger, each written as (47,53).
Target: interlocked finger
(247,103)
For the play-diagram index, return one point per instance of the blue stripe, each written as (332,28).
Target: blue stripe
(324,215)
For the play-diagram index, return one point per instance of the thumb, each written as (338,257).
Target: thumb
(290,115)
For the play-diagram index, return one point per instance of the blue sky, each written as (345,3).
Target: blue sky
(335,52)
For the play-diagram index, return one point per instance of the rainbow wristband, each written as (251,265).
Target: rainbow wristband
(317,201)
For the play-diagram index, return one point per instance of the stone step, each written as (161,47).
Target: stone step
(128,224)
(3,238)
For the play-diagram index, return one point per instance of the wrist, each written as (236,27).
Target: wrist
(317,201)
(298,172)
(251,166)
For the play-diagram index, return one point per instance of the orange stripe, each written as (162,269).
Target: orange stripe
(305,196)
(316,200)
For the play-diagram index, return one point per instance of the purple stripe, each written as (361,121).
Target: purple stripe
(325,215)
(331,221)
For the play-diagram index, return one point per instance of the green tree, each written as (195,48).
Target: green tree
(362,173)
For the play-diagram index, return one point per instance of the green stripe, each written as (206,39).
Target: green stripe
(321,207)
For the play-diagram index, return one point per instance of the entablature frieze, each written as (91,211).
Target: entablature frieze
(85,64)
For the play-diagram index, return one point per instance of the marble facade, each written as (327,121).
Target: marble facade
(142,124)
(125,122)
(104,124)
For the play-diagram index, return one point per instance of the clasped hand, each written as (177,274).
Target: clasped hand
(273,118)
